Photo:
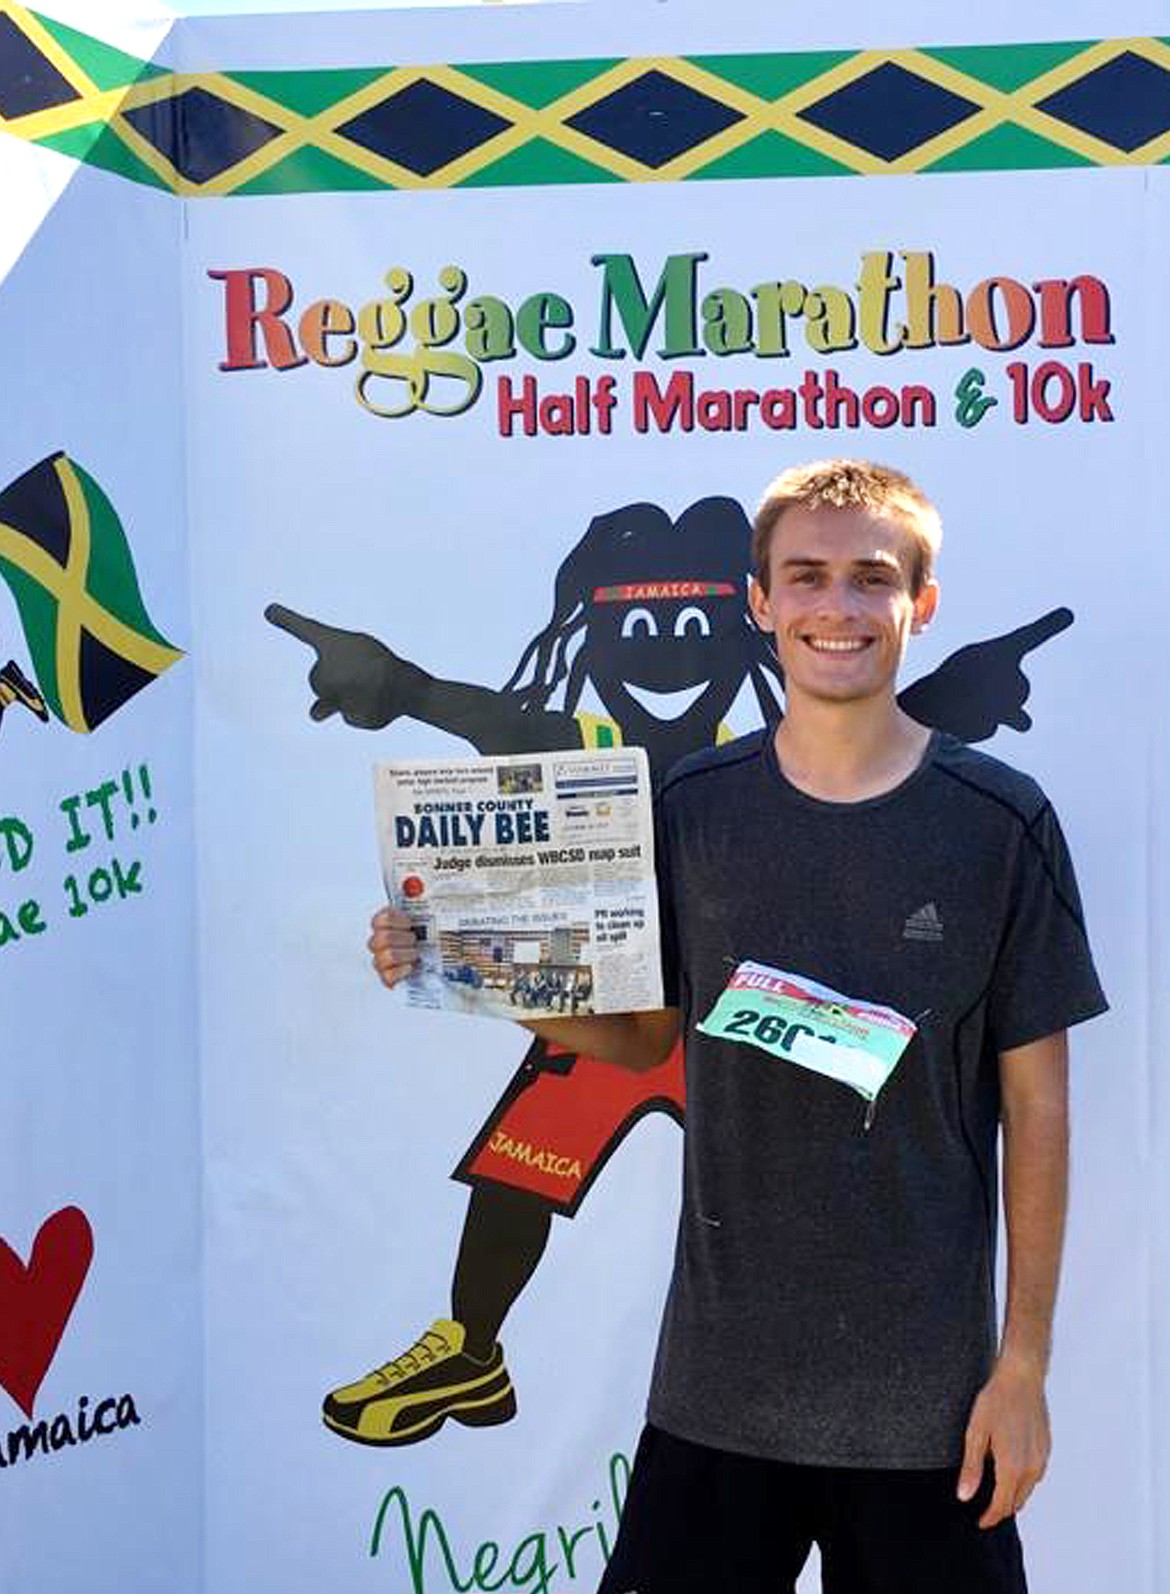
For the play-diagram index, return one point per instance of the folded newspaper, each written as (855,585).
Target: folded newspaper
(529,880)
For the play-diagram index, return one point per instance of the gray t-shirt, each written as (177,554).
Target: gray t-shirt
(833,1293)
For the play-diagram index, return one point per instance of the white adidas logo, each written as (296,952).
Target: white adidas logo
(924,924)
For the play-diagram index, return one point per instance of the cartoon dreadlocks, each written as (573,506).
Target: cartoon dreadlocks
(604,601)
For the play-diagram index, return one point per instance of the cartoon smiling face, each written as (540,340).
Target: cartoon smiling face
(664,650)
(653,614)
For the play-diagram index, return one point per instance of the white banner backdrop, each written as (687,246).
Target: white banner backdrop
(577,336)
(100,1238)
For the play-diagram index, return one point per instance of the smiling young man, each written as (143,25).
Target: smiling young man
(828,1370)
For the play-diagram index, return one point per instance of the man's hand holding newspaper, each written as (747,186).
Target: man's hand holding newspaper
(636,1041)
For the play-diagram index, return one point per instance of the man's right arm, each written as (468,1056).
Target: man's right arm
(637,1041)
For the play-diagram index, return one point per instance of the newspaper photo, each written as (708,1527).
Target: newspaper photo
(529,880)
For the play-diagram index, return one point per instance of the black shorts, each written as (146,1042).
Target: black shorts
(702,1521)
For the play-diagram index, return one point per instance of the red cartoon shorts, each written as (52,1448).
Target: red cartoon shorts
(562,1117)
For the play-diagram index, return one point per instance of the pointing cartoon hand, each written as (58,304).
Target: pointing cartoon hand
(355,675)
(983,685)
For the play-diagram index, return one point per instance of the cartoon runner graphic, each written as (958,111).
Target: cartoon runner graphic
(653,614)
(15,687)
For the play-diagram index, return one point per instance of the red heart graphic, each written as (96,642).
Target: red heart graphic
(35,1301)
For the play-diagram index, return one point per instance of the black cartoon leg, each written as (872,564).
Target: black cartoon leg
(504,1237)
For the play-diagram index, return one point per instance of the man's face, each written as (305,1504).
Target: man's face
(839,604)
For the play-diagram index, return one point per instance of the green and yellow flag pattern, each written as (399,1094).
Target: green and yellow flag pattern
(66,560)
(499,124)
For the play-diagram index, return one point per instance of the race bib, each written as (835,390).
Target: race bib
(799,1021)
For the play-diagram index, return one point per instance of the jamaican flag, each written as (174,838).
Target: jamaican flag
(68,565)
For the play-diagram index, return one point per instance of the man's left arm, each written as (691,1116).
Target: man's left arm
(1009,1419)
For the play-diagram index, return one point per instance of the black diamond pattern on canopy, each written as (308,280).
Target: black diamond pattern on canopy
(200,134)
(654,118)
(28,82)
(889,111)
(1125,103)
(423,127)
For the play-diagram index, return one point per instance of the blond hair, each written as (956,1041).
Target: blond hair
(851,484)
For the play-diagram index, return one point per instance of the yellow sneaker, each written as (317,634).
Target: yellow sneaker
(409,1398)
